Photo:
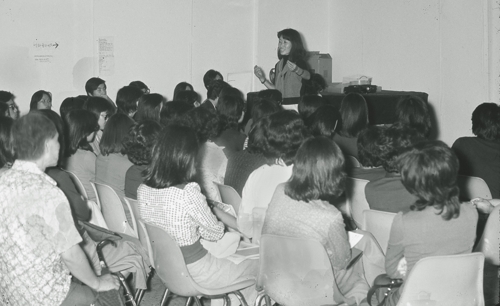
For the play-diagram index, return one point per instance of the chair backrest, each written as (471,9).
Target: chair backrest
(144,239)
(78,184)
(378,223)
(473,187)
(169,262)
(296,271)
(229,196)
(445,280)
(356,199)
(489,243)
(142,235)
(352,161)
(112,209)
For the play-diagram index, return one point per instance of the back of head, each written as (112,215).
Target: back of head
(139,84)
(173,111)
(308,105)
(173,158)
(429,171)
(264,107)
(229,108)
(182,86)
(58,122)
(92,85)
(284,133)
(325,121)
(188,96)
(80,123)
(370,142)
(6,150)
(149,108)
(215,87)
(210,76)
(127,99)
(4,109)
(271,94)
(6,96)
(354,113)
(314,86)
(140,140)
(30,133)
(204,122)
(413,112)
(98,105)
(394,140)
(71,103)
(317,172)
(486,121)
(114,133)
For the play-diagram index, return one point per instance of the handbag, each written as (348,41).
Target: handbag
(382,285)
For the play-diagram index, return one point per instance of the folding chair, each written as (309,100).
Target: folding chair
(296,272)
(141,228)
(356,199)
(171,268)
(445,281)
(489,243)
(473,187)
(378,223)
(113,211)
(352,161)
(229,196)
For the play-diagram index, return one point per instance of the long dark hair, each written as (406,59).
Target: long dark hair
(6,150)
(80,123)
(354,112)
(298,52)
(114,133)
(318,171)
(173,158)
(429,171)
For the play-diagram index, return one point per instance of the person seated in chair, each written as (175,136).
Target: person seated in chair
(369,151)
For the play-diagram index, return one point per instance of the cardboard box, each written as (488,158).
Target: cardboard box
(321,63)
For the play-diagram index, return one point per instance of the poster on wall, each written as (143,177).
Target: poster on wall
(44,51)
(106,56)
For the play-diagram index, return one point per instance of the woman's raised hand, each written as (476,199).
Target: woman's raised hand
(292,66)
(259,73)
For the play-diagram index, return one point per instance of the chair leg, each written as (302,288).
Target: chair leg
(197,301)
(240,297)
(259,298)
(164,298)
(189,300)
(129,298)
(268,300)
(227,300)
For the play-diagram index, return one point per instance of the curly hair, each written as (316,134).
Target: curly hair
(284,133)
(318,171)
(486,121)
(308,104)
(429,171)
(369,146)
(393,141)
(139,142)
(229,108)
(204,122)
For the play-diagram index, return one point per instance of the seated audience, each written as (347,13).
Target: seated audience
(9,98)
(263,107)
(211,75)
(413,112)
(300,208)
(182,86)
(189,97)
(138,147)
(39,274)
(354,113)
(41,100)
(230,110)
(370,147)
(479,156)
(271,94)
(284,132)
(141,86)
(6,150)
(308,104)
(149,108)
(214,89)
(388,193)
(81,126)
(96,87)
(437,224)
(71,103)
(170,199)
(112,165)
(173,111)
(325,121)
(102,109)
(242,163)
(314,86)
(127,100)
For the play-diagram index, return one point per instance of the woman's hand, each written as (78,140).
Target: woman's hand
(259,73)
(483,206)
(292,66)
(108,282)
(402,267)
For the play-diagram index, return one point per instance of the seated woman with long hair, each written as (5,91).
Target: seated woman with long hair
(230,110)
(354,114)
(301,208)
(171,199)
(6,150)
(81,127)
(438,224)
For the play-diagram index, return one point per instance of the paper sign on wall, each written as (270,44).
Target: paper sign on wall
(106,56)
(43,51)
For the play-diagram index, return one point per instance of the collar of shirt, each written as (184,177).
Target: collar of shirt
(31,167)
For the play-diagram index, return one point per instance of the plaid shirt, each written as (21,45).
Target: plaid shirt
(183,213)
(36,226)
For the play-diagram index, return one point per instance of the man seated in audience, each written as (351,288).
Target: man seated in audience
(388,193)
(96,87)
(211,75)
(214,89)
(369,151)
(40,243)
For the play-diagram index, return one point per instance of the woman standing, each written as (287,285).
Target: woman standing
(291,68)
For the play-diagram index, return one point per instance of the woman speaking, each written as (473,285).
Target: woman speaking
(291,68)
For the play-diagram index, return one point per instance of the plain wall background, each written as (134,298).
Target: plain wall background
(449,49)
